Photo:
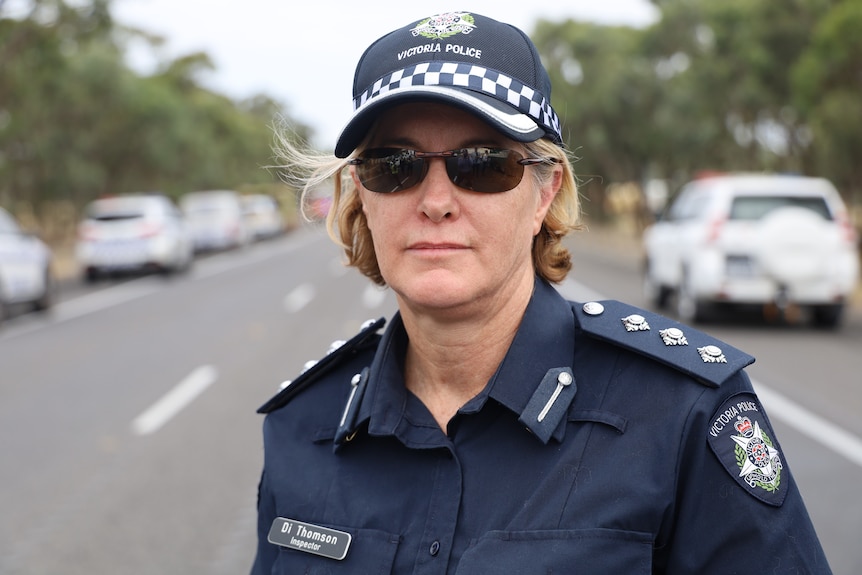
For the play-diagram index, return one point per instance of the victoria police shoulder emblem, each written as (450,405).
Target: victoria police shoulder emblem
(741,438)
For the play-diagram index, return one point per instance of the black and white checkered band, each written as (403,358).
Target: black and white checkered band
(464,75)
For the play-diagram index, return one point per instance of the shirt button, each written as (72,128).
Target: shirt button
(435,548)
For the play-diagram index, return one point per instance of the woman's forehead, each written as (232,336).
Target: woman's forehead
(431,121)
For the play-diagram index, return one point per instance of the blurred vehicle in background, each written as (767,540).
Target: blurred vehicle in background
(319,208)
(25,267)
(779,241)
(133,233)
(216,219)
(263,216)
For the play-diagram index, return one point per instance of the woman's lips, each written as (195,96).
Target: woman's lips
(436,248)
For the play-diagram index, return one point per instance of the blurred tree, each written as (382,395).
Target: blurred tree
(605,92)
(732,80)
(76,122)
(828,83)
(34,58)
(709,87)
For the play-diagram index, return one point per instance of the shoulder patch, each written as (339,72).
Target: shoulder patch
(742,439)
(345,351)
(684,348)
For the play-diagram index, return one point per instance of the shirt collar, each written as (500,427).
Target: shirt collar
(545,339)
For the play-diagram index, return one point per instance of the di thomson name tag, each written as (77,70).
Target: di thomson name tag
(309,538)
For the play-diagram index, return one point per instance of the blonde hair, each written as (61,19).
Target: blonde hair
(308,170)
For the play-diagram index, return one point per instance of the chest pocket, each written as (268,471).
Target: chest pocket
(371,552)
(574,551)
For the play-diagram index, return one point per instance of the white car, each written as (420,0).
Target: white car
(780,241)
(133,233)
(25,267)
(263,216)
(216,219)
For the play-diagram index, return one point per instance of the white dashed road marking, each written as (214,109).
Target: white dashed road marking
(175,400)
(299,297)
(373,296)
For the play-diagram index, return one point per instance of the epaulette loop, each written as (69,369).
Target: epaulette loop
(314,370)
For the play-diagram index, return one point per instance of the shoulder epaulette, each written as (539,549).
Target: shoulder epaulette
(339,355)
(703,357)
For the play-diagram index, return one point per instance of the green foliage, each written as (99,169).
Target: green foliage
(730,85)
(827,82)
(76,122)
(603,90)
(712,85)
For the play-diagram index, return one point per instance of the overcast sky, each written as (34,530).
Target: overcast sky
(303,52)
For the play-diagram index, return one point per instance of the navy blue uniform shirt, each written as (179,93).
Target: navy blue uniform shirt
(610,441)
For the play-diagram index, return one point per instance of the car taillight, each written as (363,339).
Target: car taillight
(149,229)
(87,232)
(848,232)
(713,230)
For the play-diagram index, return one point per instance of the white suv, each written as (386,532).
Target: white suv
(770,240)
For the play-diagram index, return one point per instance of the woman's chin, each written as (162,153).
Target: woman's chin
(438,291)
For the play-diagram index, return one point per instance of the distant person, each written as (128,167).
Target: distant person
(494,427)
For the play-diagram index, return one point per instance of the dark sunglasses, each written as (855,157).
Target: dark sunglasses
(488,170)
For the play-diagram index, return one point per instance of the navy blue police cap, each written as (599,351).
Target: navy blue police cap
(475,63)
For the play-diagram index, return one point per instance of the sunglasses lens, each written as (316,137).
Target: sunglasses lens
(486,170)
(387,170)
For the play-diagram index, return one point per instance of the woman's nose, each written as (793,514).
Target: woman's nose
(439,199)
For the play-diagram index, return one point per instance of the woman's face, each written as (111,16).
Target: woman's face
(442,248)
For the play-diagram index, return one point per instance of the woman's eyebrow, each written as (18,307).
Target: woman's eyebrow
(395,142)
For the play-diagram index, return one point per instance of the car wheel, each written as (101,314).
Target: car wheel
(188,260)
(47,298)
(182,265)
(655,294)
(91,275)
(827,316)
(689,308)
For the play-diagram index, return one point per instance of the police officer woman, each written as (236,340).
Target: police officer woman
(494,427)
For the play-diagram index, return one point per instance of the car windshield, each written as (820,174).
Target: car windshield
(756,207)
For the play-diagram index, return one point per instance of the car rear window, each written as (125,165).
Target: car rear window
(117,209)
(116,217)
(756,207)
(209,207)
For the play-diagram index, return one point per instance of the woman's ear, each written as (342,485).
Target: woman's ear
(547,193)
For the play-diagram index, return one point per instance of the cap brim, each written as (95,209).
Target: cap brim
(507,119)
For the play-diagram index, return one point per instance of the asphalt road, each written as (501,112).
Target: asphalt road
(129,441)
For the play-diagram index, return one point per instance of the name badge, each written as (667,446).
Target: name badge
(309,538)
